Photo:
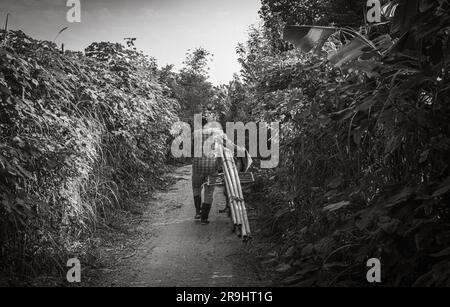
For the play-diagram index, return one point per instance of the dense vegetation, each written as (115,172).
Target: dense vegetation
(364,164)
(77,133)
(365,143)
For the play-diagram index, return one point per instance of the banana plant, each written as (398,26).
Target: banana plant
(359,50)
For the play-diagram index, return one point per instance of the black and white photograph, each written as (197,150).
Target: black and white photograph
(224,150)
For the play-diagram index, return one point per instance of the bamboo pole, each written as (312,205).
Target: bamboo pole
(241,196)
(232,206)
(229,170)
(237,221)
(233,185)
(233,195)
(231,192)
(232,169)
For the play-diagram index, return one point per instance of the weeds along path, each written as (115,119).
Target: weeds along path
(177,251)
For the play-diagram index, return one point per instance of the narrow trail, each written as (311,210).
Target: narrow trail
(177,251)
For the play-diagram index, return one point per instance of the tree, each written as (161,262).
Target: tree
(192,87)
(236,100)
(197,61)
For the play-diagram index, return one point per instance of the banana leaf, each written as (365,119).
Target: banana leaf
(307,38)
(388,10)
(350,52)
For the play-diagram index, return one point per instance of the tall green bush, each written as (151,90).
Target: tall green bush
(364,152)
(77,131)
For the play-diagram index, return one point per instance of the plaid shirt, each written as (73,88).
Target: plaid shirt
(202,168)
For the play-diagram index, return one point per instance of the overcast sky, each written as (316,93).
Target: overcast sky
(164,29)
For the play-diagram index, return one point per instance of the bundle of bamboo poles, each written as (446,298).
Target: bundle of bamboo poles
(235,195)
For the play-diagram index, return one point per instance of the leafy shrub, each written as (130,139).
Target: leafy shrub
(364,160)
(77,132)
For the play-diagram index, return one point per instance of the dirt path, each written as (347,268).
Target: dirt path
(176,251)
